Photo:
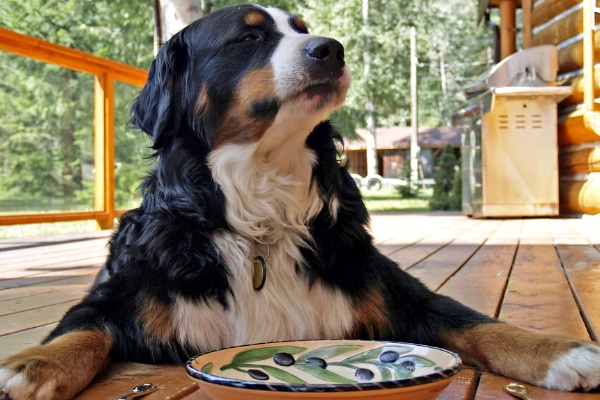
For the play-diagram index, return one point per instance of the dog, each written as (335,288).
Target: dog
(251,229)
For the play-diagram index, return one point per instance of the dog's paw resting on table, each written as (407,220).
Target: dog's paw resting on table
(247,181)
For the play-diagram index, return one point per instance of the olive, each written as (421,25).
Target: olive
(319,362)
(389,356)
(284,359)
(258,374)
(409,365)
(364,374)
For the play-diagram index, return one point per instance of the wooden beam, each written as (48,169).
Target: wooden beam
(571,57)
(16,219)
(582,161)
(527,27)
(579,127)
(507,28)
(104,149)
(564,28)
(589,21)
(52,53)
(546,10)
(579,197)
(578,83)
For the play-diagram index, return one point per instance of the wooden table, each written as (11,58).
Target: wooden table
(539,274)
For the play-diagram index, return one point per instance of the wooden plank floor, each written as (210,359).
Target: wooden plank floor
(539,274)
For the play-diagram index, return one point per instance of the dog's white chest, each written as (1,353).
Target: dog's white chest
(286,308)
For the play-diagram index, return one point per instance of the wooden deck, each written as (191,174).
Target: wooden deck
(540,274)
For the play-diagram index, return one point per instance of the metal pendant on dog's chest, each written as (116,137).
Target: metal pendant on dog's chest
(259,274)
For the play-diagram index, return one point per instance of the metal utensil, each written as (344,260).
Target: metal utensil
(140,390)
(517,390)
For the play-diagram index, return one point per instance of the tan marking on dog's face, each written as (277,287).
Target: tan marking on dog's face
(241,122)
(369,315)
(203,102)
(156,319)
(254,18)
(507,350)
(60,368)
(300,23)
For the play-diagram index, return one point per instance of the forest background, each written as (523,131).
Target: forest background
(46,112)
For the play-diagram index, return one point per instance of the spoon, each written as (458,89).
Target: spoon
(140,390)
(517,390)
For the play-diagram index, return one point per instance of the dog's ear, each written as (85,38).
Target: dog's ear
(154,111)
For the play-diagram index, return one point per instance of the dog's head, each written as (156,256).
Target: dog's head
(242,74)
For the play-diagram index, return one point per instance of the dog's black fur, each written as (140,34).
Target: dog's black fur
(214,91)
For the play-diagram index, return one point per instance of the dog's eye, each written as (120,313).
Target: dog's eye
(250,37)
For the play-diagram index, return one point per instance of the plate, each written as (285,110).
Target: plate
(325,369)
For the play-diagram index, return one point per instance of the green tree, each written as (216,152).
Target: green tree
(456,192)
(407,191)
(444,178)
(452,51)
(46,112)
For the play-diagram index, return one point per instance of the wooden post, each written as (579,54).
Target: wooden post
(527,31)
(104,149)
(507,28)
(414,114)
(371,136)
(588,54)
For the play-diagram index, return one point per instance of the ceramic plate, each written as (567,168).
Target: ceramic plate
(325,369)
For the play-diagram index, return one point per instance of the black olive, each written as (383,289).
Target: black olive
(319,362)
(409,365)
(389,356)
(284,359)
(364,374)
(258,374)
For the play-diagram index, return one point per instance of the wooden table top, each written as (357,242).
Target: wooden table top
(539,274)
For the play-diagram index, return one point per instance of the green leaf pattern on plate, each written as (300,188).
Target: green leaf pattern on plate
(207,368)
(282,375)
(329,351)
(323,374)
(389,371)
(373,354)
(260,354)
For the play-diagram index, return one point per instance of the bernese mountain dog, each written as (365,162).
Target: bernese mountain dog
(251,229)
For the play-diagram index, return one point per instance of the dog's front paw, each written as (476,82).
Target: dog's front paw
(57,370)
(578,368)
(28,379)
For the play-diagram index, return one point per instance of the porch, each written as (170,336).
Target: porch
(539,274)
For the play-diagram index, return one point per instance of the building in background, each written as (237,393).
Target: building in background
(393,148)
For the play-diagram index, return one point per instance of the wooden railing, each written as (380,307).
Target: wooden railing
(105,72)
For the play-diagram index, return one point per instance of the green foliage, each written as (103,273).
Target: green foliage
(445,37)
(46,112)
(446,191)
(456,192)
(407,191)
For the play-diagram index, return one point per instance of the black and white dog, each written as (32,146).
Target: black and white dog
(250,230)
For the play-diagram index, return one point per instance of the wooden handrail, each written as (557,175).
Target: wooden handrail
(105,72)
(52,53)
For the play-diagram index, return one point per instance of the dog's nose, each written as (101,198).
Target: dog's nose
(326,50)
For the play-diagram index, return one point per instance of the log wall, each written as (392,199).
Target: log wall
(562,23)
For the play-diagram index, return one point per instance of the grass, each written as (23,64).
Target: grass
(53,228)
(386,199)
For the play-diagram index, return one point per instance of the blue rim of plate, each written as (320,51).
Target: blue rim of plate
(334,387)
